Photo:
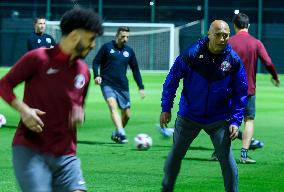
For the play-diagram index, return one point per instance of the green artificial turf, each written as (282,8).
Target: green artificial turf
(109,167)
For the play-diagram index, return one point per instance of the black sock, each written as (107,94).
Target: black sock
(244,153)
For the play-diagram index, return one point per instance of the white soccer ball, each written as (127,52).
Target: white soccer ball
(2,120)
(143,141)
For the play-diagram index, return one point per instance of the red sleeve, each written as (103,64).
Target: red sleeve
(22,70)
(266,60)
(86,88)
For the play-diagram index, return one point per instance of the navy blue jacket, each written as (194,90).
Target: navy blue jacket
(113,63)
(214,86)
(36,41)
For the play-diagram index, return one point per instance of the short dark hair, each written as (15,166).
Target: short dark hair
(241,20)
(81,18)
(122,28)
(38,18)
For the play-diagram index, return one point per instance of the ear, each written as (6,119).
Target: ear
(209,32)
(74,36)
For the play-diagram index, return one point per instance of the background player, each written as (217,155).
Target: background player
(250,49)
(39,38)
(113,59)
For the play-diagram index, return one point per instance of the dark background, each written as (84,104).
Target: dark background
(266,18)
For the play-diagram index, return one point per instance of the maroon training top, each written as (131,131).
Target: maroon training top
(250,49)
(52,85)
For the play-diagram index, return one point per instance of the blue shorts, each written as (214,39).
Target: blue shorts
(38,172)
(122,97)
(250,107)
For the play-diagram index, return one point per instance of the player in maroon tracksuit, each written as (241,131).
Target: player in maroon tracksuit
(250,49)
(56,83)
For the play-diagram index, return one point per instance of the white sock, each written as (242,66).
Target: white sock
(121,131)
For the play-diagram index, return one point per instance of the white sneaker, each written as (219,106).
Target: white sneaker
(166,132)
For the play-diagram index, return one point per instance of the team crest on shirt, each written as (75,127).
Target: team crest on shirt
(125,54)
(111,51)
(79,81)
(48,40)
(225,66)
(38,40)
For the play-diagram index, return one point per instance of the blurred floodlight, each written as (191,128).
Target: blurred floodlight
(236,11)
(199,8)
(15,14)
(151,3)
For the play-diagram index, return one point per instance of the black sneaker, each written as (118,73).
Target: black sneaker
(114,137)
(255,144)
(119,138)
(122,139)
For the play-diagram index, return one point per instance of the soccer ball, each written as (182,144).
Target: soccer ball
(143,141)
(2,120)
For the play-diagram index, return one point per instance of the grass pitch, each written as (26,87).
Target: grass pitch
(109,167)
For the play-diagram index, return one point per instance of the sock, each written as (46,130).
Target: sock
(244,153)
(120,131)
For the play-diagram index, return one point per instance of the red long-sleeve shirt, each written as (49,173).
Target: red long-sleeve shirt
(52,85)
(250,49)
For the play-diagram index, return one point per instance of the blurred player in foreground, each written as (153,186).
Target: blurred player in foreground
(113,59)
(250,49)
(213,98)
(56,84)
(39,38)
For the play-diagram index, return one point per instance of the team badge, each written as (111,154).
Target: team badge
(225,66)
(111,51)
(79,81)
(38,40)
(48,40)
(125,54)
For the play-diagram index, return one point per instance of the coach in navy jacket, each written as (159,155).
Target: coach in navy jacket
(213,98)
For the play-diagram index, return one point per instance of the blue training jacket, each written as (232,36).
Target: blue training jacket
(214,85)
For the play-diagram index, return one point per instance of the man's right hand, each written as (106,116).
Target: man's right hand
(165,118)
(98,80)
(30,117)
(275,82)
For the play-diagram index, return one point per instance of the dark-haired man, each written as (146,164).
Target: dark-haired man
(39,38)
(213,98)
(250,49)
(114,58)
(56,84)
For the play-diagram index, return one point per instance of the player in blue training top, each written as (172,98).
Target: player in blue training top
(213,98)
(113,59)
(38,38)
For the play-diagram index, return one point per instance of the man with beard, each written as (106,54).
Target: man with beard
(56,84)
(113,59)
(38,38)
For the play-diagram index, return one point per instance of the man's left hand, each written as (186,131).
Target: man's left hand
(233,131)
(77,116)
(142,93)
